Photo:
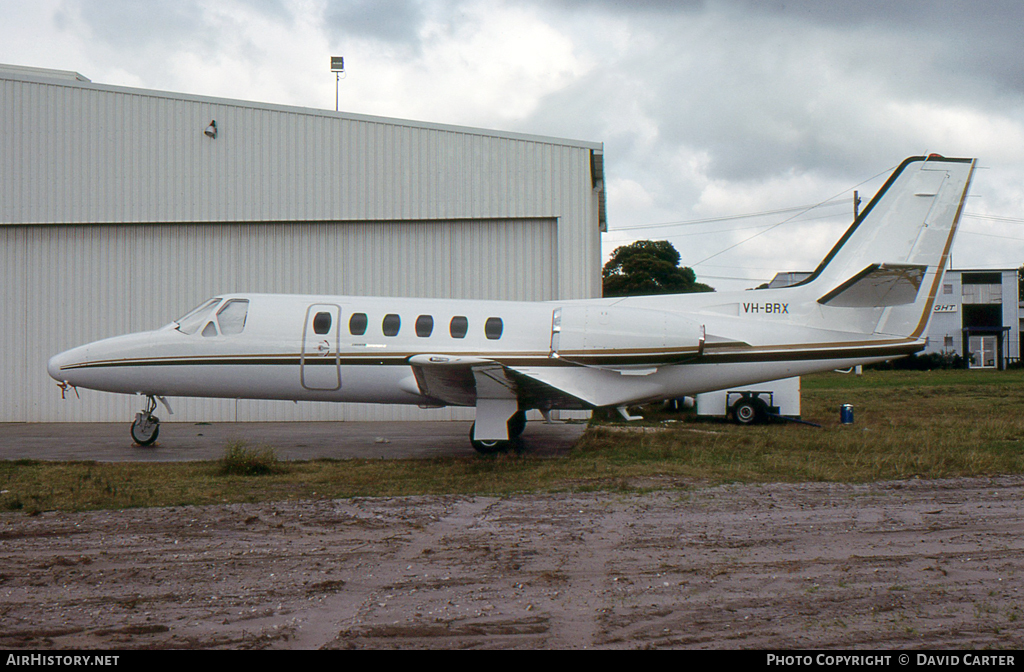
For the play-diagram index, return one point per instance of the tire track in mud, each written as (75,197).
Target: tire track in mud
(913,563)
(454,561)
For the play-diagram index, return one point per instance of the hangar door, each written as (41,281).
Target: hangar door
(68,285)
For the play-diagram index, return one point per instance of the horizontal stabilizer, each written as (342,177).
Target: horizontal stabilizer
(878,286)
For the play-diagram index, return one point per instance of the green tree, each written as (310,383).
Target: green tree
(648,267)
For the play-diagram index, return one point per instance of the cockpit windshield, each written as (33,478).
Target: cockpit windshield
(232,316)
(195,318)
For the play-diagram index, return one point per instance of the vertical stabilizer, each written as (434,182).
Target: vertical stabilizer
(892,258)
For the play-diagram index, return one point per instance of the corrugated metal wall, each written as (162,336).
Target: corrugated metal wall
(118,214)
(77,152)
(69,285)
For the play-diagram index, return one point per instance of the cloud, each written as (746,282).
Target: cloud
(490,68)
(158,26)
(161,28)
(393,21)
(730,107)
(706,108)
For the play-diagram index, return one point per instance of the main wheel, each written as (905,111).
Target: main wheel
(746,412)
(145,430)
(488,446)
(516,424)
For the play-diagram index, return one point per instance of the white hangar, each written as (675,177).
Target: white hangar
(121,209)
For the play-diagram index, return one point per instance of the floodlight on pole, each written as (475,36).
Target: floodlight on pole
(338,68)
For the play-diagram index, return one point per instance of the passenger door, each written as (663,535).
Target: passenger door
(320,364)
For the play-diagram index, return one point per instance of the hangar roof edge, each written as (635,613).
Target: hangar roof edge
(73,79)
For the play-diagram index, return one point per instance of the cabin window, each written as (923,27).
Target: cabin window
(459,326)
(209,329)
(231,317)
(357,324)
(424,325)
(322,323)
(195,318)
(493,328)
(391,324)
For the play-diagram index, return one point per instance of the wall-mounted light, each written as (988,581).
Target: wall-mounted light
(211,130)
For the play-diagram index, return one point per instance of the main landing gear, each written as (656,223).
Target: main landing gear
(146,426)
(516,425)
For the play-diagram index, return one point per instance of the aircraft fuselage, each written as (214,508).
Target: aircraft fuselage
(366,349)
(868,300)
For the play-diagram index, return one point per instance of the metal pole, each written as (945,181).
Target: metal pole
(337,67)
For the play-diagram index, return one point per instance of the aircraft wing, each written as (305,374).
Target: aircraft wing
(460,381)
(447,380)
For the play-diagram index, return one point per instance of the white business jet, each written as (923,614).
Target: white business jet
(869,300)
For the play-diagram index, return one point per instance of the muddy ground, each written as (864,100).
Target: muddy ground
(929,564)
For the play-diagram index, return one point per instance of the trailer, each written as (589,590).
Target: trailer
(776,399)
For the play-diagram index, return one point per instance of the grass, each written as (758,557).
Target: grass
(937,424)
(240,460)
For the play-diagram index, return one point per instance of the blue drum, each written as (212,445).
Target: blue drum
(846,414)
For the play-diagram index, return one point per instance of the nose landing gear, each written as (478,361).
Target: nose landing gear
(146,426)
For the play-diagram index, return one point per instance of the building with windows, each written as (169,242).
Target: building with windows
(977,316)
(122,208)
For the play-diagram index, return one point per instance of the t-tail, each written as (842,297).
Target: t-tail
(882,277)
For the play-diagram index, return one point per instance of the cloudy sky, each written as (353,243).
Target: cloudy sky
(711,111)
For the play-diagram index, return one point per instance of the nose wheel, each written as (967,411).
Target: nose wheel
(146,426)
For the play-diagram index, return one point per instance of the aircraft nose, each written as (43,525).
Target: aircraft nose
(56,364)
(53,366)
(96,365)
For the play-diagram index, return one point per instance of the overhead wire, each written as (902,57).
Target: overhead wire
(726,218)
(767,213)
(799,210)
(795,218)
(997,218)
(786,221)
(990,235)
